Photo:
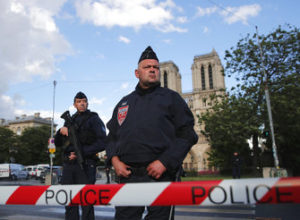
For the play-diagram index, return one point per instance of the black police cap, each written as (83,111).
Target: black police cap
(148,54)
(80,95)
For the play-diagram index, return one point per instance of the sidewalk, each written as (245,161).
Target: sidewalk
(102,179)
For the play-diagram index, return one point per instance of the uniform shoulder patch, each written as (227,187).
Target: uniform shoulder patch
(122,113)
(124,103)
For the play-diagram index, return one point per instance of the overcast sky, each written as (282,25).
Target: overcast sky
(93,45)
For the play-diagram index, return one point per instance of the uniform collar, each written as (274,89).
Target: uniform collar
(81,114)
(142,91)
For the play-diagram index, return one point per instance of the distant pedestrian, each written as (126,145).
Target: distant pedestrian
(236,166)
(107,170)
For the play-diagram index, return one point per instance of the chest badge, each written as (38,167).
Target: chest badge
(122,113)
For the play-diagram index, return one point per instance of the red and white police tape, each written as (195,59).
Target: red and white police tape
(214,192)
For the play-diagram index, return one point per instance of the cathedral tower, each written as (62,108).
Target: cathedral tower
(207,72)
(208,79)
(170,76)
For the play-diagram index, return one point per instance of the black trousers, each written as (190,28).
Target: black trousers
(73,174)
(107,171)
(136,212)
(236,172)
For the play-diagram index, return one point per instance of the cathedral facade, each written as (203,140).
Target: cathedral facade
(207,79)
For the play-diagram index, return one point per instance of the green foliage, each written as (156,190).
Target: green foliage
(243,113)
(7,144)
(286,114)
(228,127)
(33,146)
(29,148)
(281,59)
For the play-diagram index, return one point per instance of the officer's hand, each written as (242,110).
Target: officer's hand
(72,156)
(156,169)
(64,131)
(120,167)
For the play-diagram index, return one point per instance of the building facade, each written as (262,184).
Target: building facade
(207,79)
(19,124)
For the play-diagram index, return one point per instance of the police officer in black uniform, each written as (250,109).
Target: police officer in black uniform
(107,168)
(91,136)
(150,133)
(236,166)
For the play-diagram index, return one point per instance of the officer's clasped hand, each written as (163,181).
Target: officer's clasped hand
(120,167)
(72,156)
(156,169)
(64,131)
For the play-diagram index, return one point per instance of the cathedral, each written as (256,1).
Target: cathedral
(208,79)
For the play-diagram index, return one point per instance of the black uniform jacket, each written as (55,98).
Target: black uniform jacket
(151,124)
(90,133)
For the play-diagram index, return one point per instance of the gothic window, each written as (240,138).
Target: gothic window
(165,79)
(203,77)
(204,102)
(191,103)
(211,85)
(185,166)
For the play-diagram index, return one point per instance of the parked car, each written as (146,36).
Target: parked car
(13,171)
(31,170)
(39,169)
(56,174)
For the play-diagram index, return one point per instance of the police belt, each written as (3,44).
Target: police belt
(138,169)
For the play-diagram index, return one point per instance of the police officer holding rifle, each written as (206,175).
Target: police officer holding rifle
(82,136)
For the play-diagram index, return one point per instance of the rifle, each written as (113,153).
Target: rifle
(72,134)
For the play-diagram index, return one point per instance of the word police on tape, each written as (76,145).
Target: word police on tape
(216,192)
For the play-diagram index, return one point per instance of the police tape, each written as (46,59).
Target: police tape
(208,193)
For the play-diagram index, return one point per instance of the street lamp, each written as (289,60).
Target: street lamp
(51,141)
(274,148)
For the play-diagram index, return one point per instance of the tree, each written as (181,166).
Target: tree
(33,146)
(286,108)
(7,145)
(242,113)
(227,127)
(281,58)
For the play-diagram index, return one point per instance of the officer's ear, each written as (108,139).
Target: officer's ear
(74,104)
(136,72)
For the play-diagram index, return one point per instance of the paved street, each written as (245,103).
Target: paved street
(182,213)
(21,212)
